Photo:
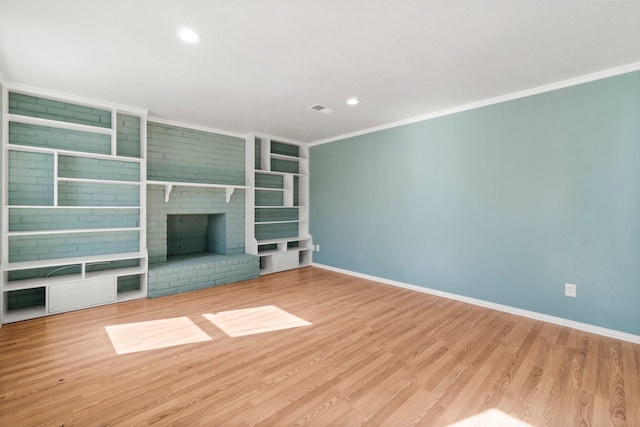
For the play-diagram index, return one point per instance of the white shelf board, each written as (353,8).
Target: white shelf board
(70,207)
(291,221)
(98,181)
(23,265)
(40,282)
(268,189)
(276,251)
(24,314)
(196,184)
(71,230)
(37,121)
(285,157)
(282,240)
(130,295)
(168,187)
(277,207)
(71,153)
(263,172)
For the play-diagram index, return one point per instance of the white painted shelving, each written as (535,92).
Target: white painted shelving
(277,214)
(59,281)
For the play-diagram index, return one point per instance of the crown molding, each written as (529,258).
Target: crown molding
(66,97)
(611,333)
(490,101)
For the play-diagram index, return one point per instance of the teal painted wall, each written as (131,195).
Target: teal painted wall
(180,154)
(505,203)
(31,183)
(56,110)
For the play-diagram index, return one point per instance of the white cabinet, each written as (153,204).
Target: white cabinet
(81,294)
(285,261)
(277,210)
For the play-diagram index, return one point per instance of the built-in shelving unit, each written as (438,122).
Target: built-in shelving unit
(73,204)
(277,213)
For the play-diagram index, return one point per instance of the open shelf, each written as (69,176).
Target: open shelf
(27,313)
(283,157)
(70,207)
(24,265)
(277,216)
(37,121)
(168,187)
(64,152)
(71,231)
(98,181)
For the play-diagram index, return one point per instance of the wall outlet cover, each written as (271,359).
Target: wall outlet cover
(570,290)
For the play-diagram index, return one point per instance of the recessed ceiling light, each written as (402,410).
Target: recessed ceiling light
(353,101)
(187,35)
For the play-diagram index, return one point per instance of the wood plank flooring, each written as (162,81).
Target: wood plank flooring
(374,355)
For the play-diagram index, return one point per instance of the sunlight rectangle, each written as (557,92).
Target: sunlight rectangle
(256,320)
(154,334)
(492,417)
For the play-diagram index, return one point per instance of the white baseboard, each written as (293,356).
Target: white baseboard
(612,333)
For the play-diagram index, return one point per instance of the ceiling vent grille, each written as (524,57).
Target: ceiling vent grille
(321,109)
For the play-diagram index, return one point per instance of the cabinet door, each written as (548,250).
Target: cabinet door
(285,261)
(81,294)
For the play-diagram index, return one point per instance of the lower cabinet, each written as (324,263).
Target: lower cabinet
(81,294)
(285,261)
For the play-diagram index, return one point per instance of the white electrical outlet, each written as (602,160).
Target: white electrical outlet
(317,248)
(570,290)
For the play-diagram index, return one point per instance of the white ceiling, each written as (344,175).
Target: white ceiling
(262,63)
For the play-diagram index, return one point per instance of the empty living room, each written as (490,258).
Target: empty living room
(320,213)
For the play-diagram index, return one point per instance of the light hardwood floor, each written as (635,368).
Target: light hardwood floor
(374,355)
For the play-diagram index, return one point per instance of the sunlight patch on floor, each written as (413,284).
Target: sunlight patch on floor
(256,320)
(493,418)
(142,336)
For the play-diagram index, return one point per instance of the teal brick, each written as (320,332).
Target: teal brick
(97,194)
(80,167)
(25,298)
(285,166)
(269,181)
(276,231)
(198,158)
(32,106)
(55,219)
(128,135)
(128,283)
(62,139)
(285,149)
(58,246)
(30,178)
(201,273)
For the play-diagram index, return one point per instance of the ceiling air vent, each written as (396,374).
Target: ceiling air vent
(321,109)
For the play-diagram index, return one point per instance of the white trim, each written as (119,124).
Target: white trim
(69,153)
(2,82)
(490,101)
(36,121)
(96,181)
(70,231)
(278,139)
(612,333)
(74,99)
(195,127)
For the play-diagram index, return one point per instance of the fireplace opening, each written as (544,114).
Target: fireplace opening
(195,234)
